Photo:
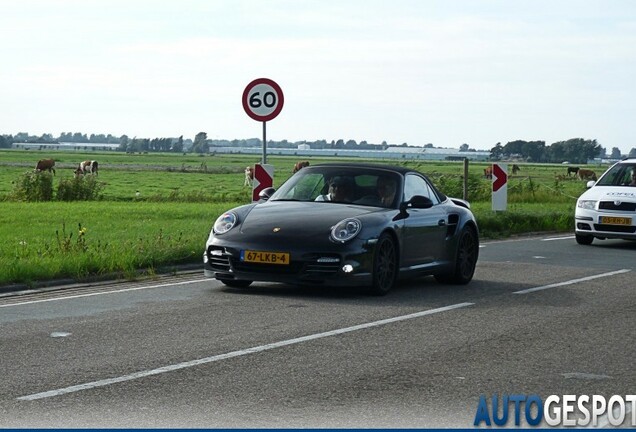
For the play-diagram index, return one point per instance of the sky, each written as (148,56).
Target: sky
(445,72)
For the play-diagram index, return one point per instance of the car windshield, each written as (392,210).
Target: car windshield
(619,175)
(342,184)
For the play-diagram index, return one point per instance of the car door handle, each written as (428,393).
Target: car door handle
(441,222)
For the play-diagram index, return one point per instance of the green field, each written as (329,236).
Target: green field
(156,210)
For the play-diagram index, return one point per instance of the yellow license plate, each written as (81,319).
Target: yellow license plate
(281,258)
(610,220)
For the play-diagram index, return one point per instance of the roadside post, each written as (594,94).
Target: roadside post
(499,187)
(262,100)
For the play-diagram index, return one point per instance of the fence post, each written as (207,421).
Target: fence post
(465,188)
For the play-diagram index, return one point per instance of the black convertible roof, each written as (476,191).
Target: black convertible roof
(398,169)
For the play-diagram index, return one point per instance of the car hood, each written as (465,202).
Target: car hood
(610,193)
(300,218)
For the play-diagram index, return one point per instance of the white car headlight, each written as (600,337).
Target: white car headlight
(224,223)
(586,204)
(346,229)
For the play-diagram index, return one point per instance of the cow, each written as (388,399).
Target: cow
(573,170)
(515,168)
(45,164)
(249,176)
(87,167)
(585,174)
(300,165)
(488,172)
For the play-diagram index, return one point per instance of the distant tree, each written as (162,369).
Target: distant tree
(46,137)
(496,152)
(79,137)
(632,153)
(98,139)
(177,147)
(616,153)
(21,137)
(575,150)
(201,144)
(123,143)
(463,148)
(4,142)
(533,151)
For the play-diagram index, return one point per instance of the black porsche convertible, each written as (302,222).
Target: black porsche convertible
(346,224)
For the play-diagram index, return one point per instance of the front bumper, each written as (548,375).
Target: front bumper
(339,265)
(588,223)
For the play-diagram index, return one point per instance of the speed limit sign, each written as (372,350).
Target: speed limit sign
(263,99)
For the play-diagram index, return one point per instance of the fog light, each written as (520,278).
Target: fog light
(347,268)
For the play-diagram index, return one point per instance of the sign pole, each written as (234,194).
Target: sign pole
(264,144)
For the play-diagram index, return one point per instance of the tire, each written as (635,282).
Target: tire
(385,265)
(584,239)
(465,259)
(236,283)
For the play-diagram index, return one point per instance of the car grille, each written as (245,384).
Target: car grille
(240,266)
(615,228)
(218,259)
(623,206)
(322,269)
(310,270)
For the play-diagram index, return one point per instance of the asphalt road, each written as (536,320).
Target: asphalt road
(542,316)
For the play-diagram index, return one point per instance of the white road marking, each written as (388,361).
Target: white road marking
(572,281)
(585,376)
(60,334)
(253,350)
(570,237)
(101,293)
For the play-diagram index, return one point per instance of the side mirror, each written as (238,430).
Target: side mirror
(590,184)
(418,202)
(266,193)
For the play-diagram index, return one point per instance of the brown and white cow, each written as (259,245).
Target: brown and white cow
(585,174)
(249,176)
(46,164)
(300,165)
(87,167)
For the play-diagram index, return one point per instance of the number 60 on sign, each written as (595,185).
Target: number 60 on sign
(263,99)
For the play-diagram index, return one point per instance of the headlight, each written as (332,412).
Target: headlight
(346,229)
(586,204)
(224,223)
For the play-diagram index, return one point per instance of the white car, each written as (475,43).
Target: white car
(608,208)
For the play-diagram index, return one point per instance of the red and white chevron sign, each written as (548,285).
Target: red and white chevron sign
(499,186)
(263,178)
